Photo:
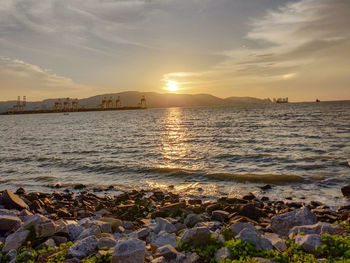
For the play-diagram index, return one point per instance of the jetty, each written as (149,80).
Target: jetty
(72,105)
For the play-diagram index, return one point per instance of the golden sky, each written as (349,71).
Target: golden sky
(261,48)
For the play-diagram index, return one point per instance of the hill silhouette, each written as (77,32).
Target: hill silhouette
(154,100)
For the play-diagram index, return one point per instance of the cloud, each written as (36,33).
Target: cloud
(292,43)
(20,78)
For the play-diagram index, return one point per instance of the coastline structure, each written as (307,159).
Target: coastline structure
(72,105)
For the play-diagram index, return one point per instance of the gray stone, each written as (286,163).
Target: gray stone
(281,224)
(163,238)
(106,242)
(276,241)
(319,228)
(129,251)
(192,219)
(49,243)
(45,229)
(308,242)
(239,226)
(164,225)
(168,252)
(93,230)
(12,254)
(74,230)
(15,240)
(59,240)
(33,220)
(105,227)
(197,235)
(222,254)
(252,236)
(83,248)
(142,233)
(13,201)
(9,223)
(219,215)
(193,258)
(6,212)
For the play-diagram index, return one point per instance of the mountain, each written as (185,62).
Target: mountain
(154,100)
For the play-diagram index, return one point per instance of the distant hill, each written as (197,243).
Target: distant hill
(154,100)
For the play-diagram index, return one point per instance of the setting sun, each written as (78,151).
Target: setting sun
(172,86)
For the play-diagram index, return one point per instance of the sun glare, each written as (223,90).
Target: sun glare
(172,86)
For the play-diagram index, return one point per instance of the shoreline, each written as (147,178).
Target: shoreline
(152,219)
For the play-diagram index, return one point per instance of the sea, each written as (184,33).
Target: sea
(301,149)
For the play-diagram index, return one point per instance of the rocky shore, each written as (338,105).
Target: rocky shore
(161,227)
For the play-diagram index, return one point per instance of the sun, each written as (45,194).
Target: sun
(172,86)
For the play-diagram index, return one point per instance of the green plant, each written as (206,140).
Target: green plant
(205,252)
(334,247)
(227,234)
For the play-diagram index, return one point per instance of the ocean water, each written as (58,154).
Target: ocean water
(301,149)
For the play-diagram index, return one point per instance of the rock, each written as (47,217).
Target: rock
(6,212)
(276,241)
(239,226)
(63,212)
(319,228)
(106,242)
(33,220)
(83,248)
(346,190)
(74,230)
(193,258)
(252,236)
(197,235)
(104,226)
(266,187)
(49,243)
(219,215)
(114,222)
(222,254)
(281,224)
(309,242)
(163,238)
(168,252)
(15,240)
(9,223)
(12,254)
(45,229)
(59,240)
(129,251)
(142,233)
(13,201)
(164,225)
(192,219)
(251,211)
(92,231)
(159,260)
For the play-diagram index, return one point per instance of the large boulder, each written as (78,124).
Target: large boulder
(106,242)
(239,226)
(281,224)
(319,228)
(309,242)
(169,253)
(74,230)
(196,235)
(164,225)
(9,223)
(129,251)
(15,240)
(13,201)
(252,236)
(83,248)
(276,241)
(192,219)
(46,229)
(163,238)
(92,231)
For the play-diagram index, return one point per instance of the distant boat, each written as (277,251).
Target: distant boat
(317,100)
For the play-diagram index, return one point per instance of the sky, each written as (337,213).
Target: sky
(260,48)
